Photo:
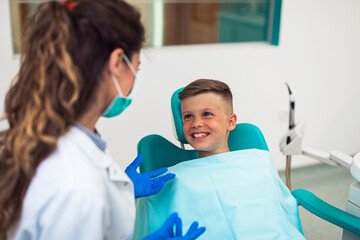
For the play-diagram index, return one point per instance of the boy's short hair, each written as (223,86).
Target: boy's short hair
(201,86)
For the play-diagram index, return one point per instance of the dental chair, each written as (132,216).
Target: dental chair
(159,152)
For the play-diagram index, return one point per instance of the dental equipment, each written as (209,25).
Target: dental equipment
(292,144)
(292,109)
(288,139)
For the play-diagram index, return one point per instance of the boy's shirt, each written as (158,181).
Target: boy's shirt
(235,195)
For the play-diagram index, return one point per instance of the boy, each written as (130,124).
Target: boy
(207,116)
(235,195)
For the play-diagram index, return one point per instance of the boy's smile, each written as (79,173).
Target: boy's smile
(199,136)
(207,122)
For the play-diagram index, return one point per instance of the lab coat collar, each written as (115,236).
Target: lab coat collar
(100,159)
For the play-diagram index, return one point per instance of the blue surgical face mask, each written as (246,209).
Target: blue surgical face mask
(120,102)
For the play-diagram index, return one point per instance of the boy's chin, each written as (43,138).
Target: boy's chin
(197,147)
(200,147)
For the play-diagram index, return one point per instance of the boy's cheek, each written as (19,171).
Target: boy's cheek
(185,127)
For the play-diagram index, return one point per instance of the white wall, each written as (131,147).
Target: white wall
(318,56)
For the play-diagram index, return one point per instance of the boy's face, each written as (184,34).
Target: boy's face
(207,121)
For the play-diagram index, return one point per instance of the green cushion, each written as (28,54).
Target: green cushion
(327,212)
(176,111)
(159,152)
(246,136)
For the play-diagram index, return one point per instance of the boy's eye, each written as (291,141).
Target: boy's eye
(187,116)
(207,114)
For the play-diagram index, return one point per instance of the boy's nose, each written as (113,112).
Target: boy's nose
(197,123)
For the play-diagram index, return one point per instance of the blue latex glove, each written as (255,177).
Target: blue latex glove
(145,184)
(166,232)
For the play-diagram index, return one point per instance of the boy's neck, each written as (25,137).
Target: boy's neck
(203,154)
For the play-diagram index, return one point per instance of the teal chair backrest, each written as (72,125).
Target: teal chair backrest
(159,152)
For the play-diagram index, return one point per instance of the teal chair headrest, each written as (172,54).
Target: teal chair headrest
(176,111)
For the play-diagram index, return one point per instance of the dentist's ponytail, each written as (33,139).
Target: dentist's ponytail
(64,50)
(41,96)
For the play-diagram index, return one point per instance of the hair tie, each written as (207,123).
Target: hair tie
(68,4)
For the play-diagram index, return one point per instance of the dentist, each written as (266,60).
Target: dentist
(79,61)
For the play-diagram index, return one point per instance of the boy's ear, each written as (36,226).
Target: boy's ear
(232,121)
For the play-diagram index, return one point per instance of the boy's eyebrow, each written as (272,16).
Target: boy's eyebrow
(183,112)
(202,110)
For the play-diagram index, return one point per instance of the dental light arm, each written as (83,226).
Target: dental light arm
(291,126)
(295,147)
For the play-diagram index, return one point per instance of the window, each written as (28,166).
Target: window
(20,11)
(181,22)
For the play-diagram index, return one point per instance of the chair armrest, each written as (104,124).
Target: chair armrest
(326,211)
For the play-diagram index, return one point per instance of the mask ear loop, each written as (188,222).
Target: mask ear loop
(114,79)
(129,64)
(134,88)
(117,84)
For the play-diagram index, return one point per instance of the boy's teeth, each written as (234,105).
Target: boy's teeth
(199,135)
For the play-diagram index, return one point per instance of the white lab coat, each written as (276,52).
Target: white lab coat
(78,192)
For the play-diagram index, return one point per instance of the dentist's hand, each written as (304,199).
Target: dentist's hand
(166,232)
(145,184)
